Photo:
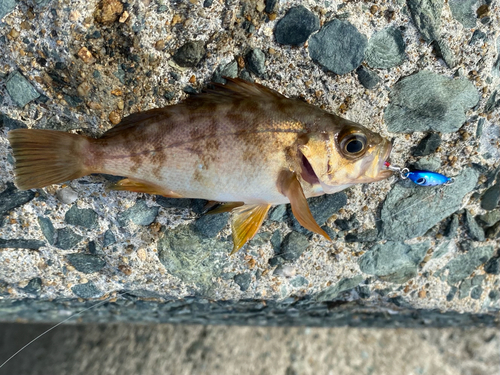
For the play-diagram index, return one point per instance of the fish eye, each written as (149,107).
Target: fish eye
(354,144)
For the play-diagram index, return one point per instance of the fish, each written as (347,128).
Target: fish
(241,144)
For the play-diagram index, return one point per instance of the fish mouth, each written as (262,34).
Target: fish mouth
(384,172)
(307,172)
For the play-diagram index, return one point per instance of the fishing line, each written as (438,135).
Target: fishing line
(57,325)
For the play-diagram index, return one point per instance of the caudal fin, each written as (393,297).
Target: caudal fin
(45,157)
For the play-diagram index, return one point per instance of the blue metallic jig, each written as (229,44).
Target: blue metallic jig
(427,178)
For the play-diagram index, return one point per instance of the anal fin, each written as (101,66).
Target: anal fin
(245,223)
(291,188)
(138,186)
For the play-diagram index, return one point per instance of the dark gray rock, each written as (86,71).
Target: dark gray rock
(20,90)
(276,241)
(443,51)
(428,145)
(441,249)
(427,208)
(228,70)
(34,286)
(343,285)
(347,224)
(6,6)
(490,218)
(428,163)
(463,265)
(494,295)
(464,12)
(87,290)
(21,244)
(190,54)
(210,225)
(428,101)
(451,294)
(174,202)
(370,235)
(426,15)
(493,232)
(338,47)
(476,292)
(492,103)
(243,280)
(464,289)
(109,238)
(491,197)
(476,233)
(4,288)
(67,239)
(393,262)
(322,208)
(451,229)
(12,198)
(255,62)
(277,213)
(192,259)
(84,217)
(477,35)
(296,26)
(270,6)
(11,124)
(139,214)
(299,282)
(86,263)
(493,266)
(207,3)
(368,78)
(260,239)
(386,49)
(293,245)
(47,229)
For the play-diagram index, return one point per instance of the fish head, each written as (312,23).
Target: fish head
(343,156)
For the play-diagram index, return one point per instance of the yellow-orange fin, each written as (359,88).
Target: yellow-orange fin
(245,223)
(46,157)
(224,207)
(137,186)
(290,187)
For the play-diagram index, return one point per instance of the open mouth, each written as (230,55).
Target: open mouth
(308,173)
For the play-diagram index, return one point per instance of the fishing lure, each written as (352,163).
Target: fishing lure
(420,177)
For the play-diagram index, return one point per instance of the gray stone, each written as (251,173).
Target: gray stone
(243,280)
(6,6)
(441,250)
(34,286)
(463,11)
(207,3)
(491,197)
(386,49)
(109,238)
(190,54)
(426,15)
(84,217)
(347,224)
(322,208)
(255,62)
(229,70)
(47,229)
(270,6)
(67,195)
(464,290)
(477,35)
(490,218)
(476,233)
(393,262)
(428,163)
(451,294)
(192,259)
(427,207)
(463,265)
(260,239)
(370,235)
(428,101)
(12,198)
(139,214)
(210,225)
(451,229)
(296,26)
(493,266)
(276,241)
(443,51)
(277,213)
(476,292)
(368,78)
(299,282)
(343,285)
(20,89)
(428,145)
(87,290)
(492,103)
(338,47)
(493,232)
(67,239)
(11,124)
(86,263)
(21,244)
(293,245)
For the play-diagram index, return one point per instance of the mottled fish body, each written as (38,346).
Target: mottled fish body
(242,144)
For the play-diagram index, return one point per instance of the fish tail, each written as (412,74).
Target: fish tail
(45,157)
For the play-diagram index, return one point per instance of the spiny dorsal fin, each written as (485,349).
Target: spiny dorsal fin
(134,119)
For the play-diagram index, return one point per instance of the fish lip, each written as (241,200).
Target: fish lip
(383,171)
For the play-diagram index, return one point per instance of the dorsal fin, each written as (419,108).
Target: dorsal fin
(133,119)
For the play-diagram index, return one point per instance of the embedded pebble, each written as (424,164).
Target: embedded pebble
(426,16)
(451,229)
(108,239)
(255,62)
(491,197)
(428,145)
(334,291)
(67,195)
(20,89)
(87,290)
(428,163)
(277,213)
(338,46)
(12,198)
(139,214)
(47,229)
(476,233)
(243,280)
(6,6)
(490,218)
(190,54)
(228,70)
(463,265)
(210,225)
(34,286)
(393,261)
(293,245)
(86,263)
(368,78)
(271,6)
(296,26)
(429,101)
(21,244)
(67,239)
(463,12)
(493,232)
(85,217)
(386,49)
(11,124)
(493,266)
(299,282)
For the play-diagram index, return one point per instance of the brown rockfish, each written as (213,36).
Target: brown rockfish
(240,144)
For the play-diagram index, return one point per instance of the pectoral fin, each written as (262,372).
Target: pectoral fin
(143,187)
(289,185)
(245,222)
